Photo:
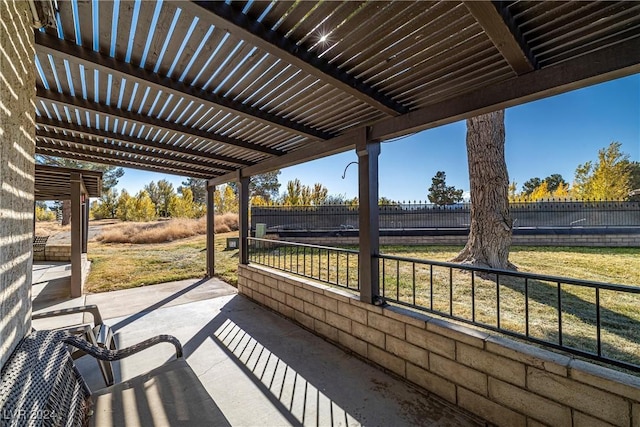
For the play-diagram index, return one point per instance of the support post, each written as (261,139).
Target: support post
(85,222)
(211,260)
(368,219)
(76,236)
(243,208)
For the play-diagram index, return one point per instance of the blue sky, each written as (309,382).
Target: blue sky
(544,137)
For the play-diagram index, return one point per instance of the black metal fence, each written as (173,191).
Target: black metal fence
(334,266)
(595,320)
(428,216)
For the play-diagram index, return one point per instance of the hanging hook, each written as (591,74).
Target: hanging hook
(344,174)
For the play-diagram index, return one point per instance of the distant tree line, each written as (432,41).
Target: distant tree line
(611,177)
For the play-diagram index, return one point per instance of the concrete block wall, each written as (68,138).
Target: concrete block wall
(17,148)
(503,381)
(55,253)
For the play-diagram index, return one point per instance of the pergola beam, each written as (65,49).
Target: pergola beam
(142,144)
(122,150)
(49,45)
(94,107)
(64,152)
(596,67)
(307,153)
(253,32)
(500,27)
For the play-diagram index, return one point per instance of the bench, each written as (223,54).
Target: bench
(39,243)
(41,386)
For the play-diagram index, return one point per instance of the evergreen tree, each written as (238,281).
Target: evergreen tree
(530,185)
(440,193)
(198,187)
(165,195)
(265,185)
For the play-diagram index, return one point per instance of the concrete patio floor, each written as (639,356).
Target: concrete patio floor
(259,368)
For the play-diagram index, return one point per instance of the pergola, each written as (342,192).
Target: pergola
(76,185)
(224,91)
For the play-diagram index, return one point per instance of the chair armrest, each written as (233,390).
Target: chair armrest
(113,355)
(93,309)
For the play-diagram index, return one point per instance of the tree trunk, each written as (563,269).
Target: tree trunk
(491,224)
(66,212)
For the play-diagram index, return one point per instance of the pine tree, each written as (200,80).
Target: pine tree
(440,194)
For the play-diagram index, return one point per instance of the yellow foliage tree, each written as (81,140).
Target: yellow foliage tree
(229,201)
(183,206)
(609,178)
(43,214)
(562,192)
(124,206)
(258,201)
(541,192)
(144,209)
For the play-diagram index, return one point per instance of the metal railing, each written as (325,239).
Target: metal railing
(595,320)
(335,266)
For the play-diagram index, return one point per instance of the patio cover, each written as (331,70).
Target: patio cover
(207,89)
(76,185)
(54,183)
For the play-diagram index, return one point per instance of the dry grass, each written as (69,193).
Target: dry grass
(164,231)
(48,228)
(226,222)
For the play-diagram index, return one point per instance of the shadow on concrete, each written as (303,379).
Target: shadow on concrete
(157,305)
(51,292)
(310,381)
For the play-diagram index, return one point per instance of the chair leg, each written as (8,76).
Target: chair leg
(106,340)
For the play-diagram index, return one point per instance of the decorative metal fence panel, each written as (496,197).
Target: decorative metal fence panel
(428,216)
(591,319)
(334,266)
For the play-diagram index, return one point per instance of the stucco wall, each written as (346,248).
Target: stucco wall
(17,146)
(505,382)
